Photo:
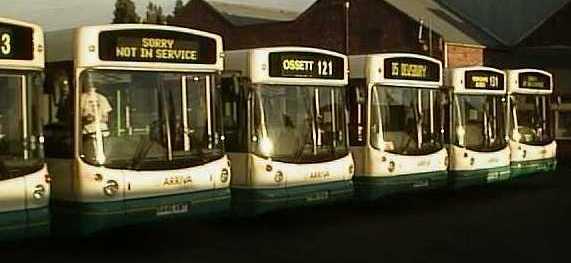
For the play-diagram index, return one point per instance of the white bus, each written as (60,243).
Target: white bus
(134,130)
(532,127)
(24,179)
(478,143)
(397,124)
(285,126)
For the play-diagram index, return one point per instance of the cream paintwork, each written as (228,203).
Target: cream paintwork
(37,62)
(144,184)
(32,181)
(532,152)
(482,160)
(255,64)
(294,174)
(404,165)
(456,79)
(17,193)
(86,38)
(12,194)
(513,85)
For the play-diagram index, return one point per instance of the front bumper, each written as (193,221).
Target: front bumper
(82,219)
(460,179)
(370,188)
(24,224)
(528,168)
(251,202)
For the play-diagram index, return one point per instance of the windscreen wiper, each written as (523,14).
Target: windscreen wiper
(143,148)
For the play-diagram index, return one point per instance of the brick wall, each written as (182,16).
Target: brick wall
(462,55)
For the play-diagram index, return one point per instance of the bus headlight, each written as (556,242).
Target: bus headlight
(279,176)
(111,188)
(472,161)
(392,166)
(446,161)
(224,175)
(47,178)
(524,154)
(39,192)
(351,169)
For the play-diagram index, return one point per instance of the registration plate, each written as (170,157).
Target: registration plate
(317,197)
(173,209)
(492,177)
(423,183)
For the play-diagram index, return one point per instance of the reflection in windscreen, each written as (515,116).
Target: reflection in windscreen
(149,120)
(21,148)
(300,123)
(533,118)
(479,122)
(406,120)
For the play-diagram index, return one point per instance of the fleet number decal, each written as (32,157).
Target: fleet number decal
(5,44)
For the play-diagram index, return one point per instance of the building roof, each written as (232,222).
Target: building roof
(509,21)
(452,27)
(241,14)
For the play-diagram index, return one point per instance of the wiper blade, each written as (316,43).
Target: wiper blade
(143,148)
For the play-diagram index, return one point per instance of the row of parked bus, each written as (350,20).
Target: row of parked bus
(131,123)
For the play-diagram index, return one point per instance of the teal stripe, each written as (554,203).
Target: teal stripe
(535,167)
(76,218)
(459,179)
(374,187)
(250,202)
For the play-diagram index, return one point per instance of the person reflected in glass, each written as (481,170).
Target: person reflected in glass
(95,109)
(63,103)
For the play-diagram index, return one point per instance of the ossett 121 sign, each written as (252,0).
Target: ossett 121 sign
(306,65)
(156,46)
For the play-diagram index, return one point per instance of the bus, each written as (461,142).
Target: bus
(285,127)
(477,139)
(396,124)
(531,122)
(24,179)
(134,131)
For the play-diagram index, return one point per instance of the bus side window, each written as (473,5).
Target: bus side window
(357,106)
(59,125)
(234,101)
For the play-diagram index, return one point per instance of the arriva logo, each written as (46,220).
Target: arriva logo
(316,175)
(177,180)
(423,163)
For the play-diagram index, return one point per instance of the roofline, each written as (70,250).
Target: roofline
(538,25)
(471,21)
(465,45)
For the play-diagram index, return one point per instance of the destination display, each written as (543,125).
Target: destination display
(534,80)
(483,79)
(156,46)
(407,68)
(306,65)
(16,42)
